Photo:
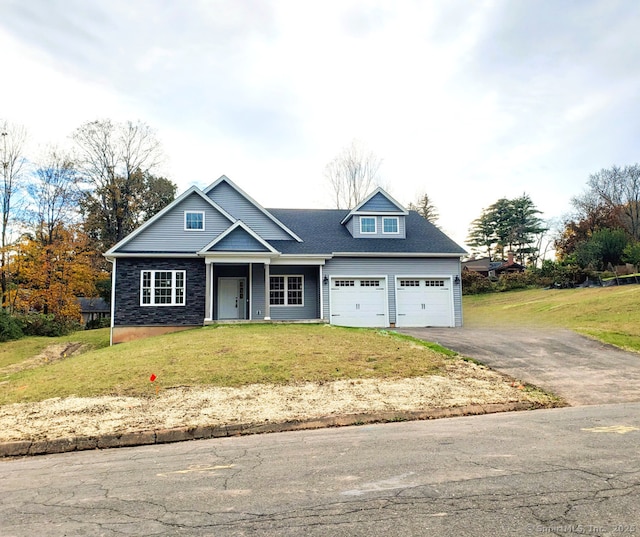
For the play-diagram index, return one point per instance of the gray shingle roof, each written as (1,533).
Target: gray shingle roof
(322,233)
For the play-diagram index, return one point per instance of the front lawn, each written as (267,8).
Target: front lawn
(225,355)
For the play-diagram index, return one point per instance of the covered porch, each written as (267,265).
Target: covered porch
(262,289)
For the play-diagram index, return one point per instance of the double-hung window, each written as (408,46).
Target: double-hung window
(194,220)
(286,290)
(162,287)
(367,224)
(390,224)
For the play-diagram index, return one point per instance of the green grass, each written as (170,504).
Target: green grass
(610,314)
(226,355)
(14,352)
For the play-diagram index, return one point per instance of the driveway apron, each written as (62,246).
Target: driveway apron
(581,370)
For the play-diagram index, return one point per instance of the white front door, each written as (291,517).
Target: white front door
(231,298)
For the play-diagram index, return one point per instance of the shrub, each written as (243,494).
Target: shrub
(9,327)
(516,280)
(105,322)
(40,324)
(475,284)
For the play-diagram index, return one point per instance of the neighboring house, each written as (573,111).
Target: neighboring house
(93,309)
(492,269)
(217,255)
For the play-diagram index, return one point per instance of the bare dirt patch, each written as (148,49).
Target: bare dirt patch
(52,353)
(462,384)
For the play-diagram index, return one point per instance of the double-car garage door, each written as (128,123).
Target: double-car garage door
(420,301)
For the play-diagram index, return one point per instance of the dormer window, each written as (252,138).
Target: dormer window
(194,220)
(390,225)
(368,225)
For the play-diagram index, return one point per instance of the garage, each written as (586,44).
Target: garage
(359,301)
(424,301)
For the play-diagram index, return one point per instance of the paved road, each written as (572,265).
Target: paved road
(568,471)
(583,371)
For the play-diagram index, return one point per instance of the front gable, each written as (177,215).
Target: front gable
(378,216)
(166,232)
(239,239)
(242,207)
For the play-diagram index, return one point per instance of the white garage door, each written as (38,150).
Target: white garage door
(424,302)
(359,302)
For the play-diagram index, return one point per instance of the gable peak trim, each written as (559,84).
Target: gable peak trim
(379,190)
(238,224)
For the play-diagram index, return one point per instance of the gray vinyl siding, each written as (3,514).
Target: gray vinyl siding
(127,308)
(238,241)
(390,267)
(168,233)
(257,291)
(311,307)
(381,203)
(355,229)
(241,208)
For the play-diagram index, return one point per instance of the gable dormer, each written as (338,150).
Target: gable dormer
(378,216)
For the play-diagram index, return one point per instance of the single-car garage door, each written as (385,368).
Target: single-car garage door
(359,302)
(424,302)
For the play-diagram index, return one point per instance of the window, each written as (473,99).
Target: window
(390,225)
(286,290)
(194,220)
(409,283)
(344,283)
(369,283)
(162,287)
(434,283)
(367,224)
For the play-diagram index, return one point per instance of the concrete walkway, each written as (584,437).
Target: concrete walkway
(579,369)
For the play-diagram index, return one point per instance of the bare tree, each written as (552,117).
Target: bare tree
(54,194)
(12,161)
(113,158)
(352,174)
(619,189)
(425,207)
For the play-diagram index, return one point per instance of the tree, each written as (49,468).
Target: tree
(115,160)
(352,175)
(12,162)
(619,190)
(425,208)
(508,224)
(50,277)
(54,194)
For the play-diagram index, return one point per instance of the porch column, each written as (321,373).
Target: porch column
(267,301)
(208,293)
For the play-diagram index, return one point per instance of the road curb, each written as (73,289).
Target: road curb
(21,448)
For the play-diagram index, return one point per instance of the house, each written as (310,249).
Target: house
(492,269)
(93,309)
(217,255)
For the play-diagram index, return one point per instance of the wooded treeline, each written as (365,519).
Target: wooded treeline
(62,209)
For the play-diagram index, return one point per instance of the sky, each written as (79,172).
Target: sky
(468,101)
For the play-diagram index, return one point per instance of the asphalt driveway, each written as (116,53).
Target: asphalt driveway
(579,369)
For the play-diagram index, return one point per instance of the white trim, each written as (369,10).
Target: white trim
(174,203)
(250,291)
(224,178)
(239,258)
(397,221)
(238,279)
(286,290)
(113,300)
(321,288)
(230,229)
(375,225)
(173,302)
(194,228)
(394,254)
(165,255)
(289,259)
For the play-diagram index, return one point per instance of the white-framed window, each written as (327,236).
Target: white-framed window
(368,225)
(390,225)
(286,290)
(162,287)
(194,220)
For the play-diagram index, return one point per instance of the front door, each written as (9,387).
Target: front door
(231,298)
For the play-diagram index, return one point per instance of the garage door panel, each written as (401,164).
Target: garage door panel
(359,302)
(424,302)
